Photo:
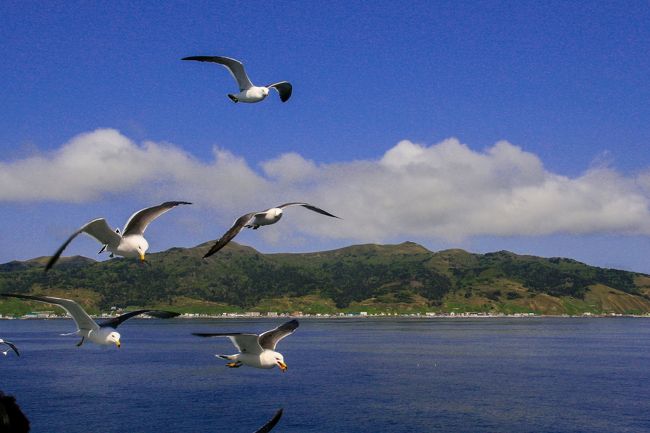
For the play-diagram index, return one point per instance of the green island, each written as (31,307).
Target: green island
(374,279)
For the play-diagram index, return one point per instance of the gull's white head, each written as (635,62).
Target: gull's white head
(279,360)
(265,91)
(142,248)
(113,337)
(135,246)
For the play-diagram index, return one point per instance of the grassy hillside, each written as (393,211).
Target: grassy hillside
(374,278)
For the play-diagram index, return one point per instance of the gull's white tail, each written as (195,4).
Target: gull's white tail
(228,357)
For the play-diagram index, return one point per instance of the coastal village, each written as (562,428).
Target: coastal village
(36,315)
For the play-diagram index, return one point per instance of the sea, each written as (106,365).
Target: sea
(396,375)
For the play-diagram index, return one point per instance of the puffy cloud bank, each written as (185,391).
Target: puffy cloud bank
(445,190)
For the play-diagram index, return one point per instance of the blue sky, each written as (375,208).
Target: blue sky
(480,125)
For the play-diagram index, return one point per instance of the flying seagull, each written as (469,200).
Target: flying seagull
(256,219)
(11,345)
(129,243)
(100,333)
(248,92)
(256,350)
(271,423)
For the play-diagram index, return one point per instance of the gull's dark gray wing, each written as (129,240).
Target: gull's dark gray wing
(98,229)
(117,321)
(230,234)
(12,345)
(269,339)
(137,224)
(310,207)
(271,423)
(284,88)
(244,342)
(235,67)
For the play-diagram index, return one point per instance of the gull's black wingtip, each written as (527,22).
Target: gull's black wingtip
(271,423)
(15,295)
(291,324)
(200,58)
(161,314)
(213,250)
(50,263)
(175,203)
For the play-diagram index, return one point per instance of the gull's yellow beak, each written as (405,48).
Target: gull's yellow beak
(142,257)
(282,366)
(118,344)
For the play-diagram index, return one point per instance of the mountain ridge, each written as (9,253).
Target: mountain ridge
(405,277)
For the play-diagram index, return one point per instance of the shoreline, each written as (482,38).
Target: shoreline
(414,316)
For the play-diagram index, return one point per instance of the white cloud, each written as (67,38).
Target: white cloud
(105,162)
(290,167)
(444,191)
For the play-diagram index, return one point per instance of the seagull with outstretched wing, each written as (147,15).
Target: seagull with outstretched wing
(11,346)
(129,243)
(248,92)
(87,328)
(255,220)
(256,350)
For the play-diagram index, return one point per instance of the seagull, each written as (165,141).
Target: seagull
(256,350)
(256,219)
(100,333)
(270,423)
(248,92)
(129,243)
(11,345)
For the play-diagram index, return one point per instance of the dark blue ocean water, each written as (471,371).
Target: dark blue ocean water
(362,375)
